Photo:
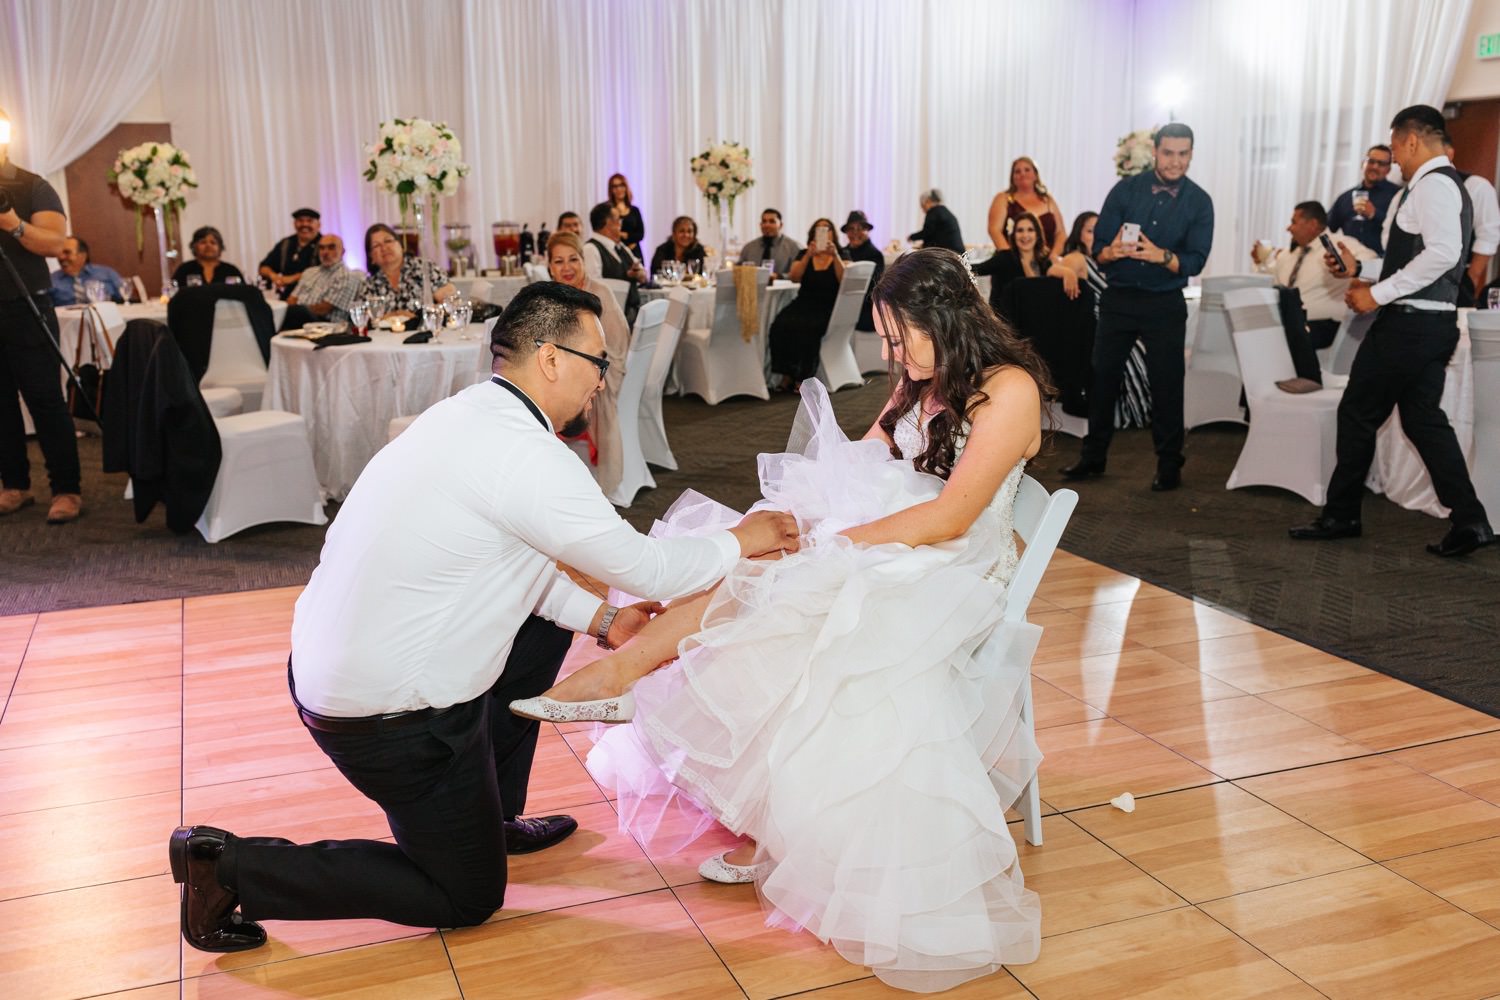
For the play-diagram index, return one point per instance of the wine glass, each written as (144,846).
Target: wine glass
(195,281)
(359,316)
(432,320)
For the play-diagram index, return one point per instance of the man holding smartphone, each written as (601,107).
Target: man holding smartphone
(1403,360)
(1153,233)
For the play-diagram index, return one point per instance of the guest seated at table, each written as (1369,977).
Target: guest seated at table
(797,332)
(565,264)
(606,256)
(293,254)
(1026,257)
(1026,194)
(207,265)
(683,247)
(75,270)
(398,276)
(772,245)
(324,292)
(622,203)
(857,228)
(1299,267)
(570,222)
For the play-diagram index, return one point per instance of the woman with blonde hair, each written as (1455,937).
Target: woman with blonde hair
(1027,194)
(565,265)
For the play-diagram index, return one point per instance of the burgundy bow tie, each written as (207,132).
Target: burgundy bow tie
(1171,189)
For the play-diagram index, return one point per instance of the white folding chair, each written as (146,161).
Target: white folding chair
(718,362)
(619,287)
(1484,346)
(635,476)
(653,429)
(1055,420)
(867,352)
(1040,518)
(1211,389)
(234,358)
(265,476)
(1340,353)
(837,366)
(1292,436)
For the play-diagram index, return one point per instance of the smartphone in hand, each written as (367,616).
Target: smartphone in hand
(1130,236)
(821,239)
(1338,259)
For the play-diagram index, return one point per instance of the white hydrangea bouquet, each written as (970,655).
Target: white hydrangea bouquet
(154,175)
(418,161)
(1135,153)
(722,173)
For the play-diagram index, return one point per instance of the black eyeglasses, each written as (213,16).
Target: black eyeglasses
(1377,163)
(600,363)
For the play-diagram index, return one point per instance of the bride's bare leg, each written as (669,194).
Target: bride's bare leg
(654,645)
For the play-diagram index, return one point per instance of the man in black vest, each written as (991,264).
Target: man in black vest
(614,260)
(32,228)
(1402,362)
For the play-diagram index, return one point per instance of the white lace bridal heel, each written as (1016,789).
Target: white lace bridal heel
(717,869)
(620,708)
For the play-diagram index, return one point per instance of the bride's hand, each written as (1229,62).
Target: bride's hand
(630,620)
(766,531)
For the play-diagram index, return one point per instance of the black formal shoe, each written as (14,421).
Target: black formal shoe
(1084,468)
(522,836)
(1166,479)
(1326,529)
(1461,541)
(209,922)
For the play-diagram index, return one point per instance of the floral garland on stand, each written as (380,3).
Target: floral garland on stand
(1135,153)
(155,175)
(418,161)
(722,173)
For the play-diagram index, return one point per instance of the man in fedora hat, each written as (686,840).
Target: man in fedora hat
(857,229)
(296,253)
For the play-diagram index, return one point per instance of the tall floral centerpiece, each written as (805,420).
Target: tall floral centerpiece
(722,173)
(1135,153)
(155,175)
(418,161)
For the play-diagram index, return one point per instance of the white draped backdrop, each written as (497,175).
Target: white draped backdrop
(843,103)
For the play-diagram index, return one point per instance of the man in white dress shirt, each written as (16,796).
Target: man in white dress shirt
(1301,267)
(1402,361)
(432,608)
(1486,231)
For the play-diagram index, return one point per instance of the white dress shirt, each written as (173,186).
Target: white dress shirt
(448,541)
(1486,214)
(1433,209)
(1322,291)
(592,262)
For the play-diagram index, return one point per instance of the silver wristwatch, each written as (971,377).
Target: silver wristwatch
(604,623)
(1166,258)
(19,231)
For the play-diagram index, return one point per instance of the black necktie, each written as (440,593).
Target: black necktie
(1291,281)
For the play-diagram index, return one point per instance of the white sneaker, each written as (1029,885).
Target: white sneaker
(716,869)
(620,708)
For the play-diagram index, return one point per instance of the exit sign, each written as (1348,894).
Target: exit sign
(1489,46)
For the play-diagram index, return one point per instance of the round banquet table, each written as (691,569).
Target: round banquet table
(348,394)
(1398,471)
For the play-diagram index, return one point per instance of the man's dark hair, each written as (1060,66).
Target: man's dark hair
(82,246)
(1424,120)
(771,211)
(543,310)
(1312,210)
(564,217)
(1172,130)
(599,215)
(1380,146)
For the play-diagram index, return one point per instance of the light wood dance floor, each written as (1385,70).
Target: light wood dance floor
(1303,827)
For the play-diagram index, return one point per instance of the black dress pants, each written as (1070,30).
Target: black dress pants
(1402,365)
(1159,321)
(29,364)
(446,784)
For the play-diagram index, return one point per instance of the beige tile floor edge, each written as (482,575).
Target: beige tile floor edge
(1302,827)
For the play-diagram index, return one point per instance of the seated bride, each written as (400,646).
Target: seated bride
(854,708)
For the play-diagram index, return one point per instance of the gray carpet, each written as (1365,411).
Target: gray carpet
(1380,600)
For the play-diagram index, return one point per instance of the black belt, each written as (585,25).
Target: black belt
(1406,307)
(360,723)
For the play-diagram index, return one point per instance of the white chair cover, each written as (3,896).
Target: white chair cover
(223,401)
(1484,346)
(1054,419)
(1340,353)
(620,288)
(1211,390)
(140,288)
(536,272)
(718,362)
(234,358)
(837,366)
(266,475)
(1292,437)
(635,476)
(653,429)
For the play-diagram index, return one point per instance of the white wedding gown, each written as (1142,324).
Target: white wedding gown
(834,708)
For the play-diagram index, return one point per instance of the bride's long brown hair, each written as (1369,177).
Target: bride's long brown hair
(932,290)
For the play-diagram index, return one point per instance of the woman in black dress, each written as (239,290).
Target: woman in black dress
(207,265)
(683,247)
(622,201)
(797,334)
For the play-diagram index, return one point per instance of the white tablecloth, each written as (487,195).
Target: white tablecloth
(1398,471)
(502,290)
(701,303)
(349,394)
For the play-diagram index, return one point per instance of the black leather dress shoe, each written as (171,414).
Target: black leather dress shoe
(1326,529)
(1461,541)
(1166,479)
(209,922)
(1084,468)
(522,836)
